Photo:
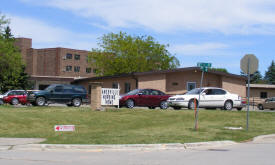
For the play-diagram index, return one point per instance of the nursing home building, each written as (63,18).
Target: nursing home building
(174,81)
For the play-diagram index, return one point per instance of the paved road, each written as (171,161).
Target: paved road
(252,153)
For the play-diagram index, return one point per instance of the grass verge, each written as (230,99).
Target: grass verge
(126,126)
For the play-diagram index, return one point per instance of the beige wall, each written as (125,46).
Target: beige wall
(255,93)
(156,81)
(108,83)
(234,85)
(182,78)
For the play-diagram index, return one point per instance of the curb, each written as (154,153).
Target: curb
(121,147)
(264,138)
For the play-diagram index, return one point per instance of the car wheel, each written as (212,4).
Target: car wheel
(151,107)
(228,105)
(40,101)
(191,104)
(1,102)
(130,103)
(176,108)
(14,101)
(239,109)
(163,105)
(260,107)
(76,102)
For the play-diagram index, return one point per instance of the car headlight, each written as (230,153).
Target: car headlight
(32,95)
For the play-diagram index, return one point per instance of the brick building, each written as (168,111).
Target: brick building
(53,65)
(175,81)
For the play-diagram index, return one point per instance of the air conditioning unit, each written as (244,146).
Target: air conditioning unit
(64,58)
(64,70)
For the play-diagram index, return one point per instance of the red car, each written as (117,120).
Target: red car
(15,97)
(144,97)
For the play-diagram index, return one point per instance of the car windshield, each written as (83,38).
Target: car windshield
(6,93)
(49,88)
(195,91)
(133,92)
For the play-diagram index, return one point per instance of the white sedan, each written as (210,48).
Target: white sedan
(210,97)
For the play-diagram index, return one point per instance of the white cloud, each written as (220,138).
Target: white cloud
(45,35)
(202,49)
(234,16)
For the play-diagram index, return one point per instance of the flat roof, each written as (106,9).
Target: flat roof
(261,86)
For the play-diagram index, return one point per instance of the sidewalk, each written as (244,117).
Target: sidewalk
(32,144)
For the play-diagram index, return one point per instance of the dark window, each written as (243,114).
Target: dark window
(94,70)
(88,70)
(68,89)
(115,85)
(155,92)
(77,57)
(146,92)
(76,68)
(218,92)
(20,93)
(89,89)
(69,56)
(68,68)
(12,93)
(209,92)
(79,89)
(175,83)
(191,85)
(127,87)
(58,89)
(42,87)
(263,95)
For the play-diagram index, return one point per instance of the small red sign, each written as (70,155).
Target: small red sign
(64,128)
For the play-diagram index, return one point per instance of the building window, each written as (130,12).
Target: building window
(191,85)
(127,87)
(69,56)
(88,70)
(68,68)
(77,57)
(175,84)
(89,89)
(94,70)
(263,95)
(115,85)
(76,68)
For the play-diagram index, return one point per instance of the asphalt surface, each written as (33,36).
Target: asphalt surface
(258,152)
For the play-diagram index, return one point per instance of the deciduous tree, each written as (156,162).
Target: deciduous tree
(122,53)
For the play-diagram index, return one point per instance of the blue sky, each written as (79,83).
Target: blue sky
(216,31)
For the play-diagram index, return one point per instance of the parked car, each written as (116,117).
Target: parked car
(144,97)
(210,97)
(72,95)
(269,103)
(14,97)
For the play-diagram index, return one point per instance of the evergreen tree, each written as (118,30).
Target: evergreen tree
(270,73)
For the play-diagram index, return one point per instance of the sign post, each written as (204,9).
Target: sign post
(204,68)
(249,65)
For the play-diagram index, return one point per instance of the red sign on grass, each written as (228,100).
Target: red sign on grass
(64,128)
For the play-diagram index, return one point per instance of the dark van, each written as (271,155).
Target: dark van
(72,95)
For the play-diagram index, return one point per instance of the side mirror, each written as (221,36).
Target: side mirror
(140,93)
(203,94)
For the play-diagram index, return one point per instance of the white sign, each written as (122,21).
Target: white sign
(64,128)
(109,96)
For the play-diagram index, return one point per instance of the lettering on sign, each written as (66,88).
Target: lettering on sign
(65,128)
(109,96)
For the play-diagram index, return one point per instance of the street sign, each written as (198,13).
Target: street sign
(204,66)
(65,128)
(249,63)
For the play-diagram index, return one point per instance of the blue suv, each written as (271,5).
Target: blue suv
(72,95)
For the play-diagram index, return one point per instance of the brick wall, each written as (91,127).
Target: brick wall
(237,86)
(156,81)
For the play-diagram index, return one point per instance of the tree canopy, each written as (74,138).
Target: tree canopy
(122,53)
(270,73)
(12,75)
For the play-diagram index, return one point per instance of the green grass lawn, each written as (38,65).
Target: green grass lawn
(126,126)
